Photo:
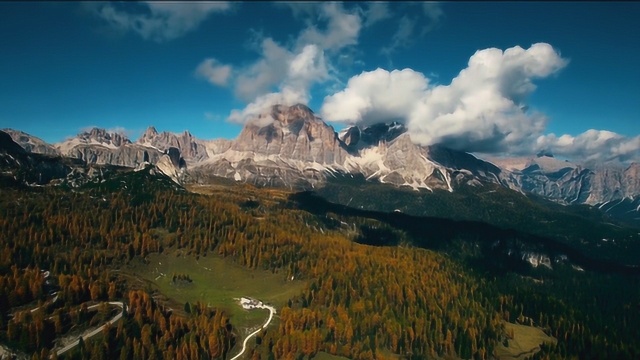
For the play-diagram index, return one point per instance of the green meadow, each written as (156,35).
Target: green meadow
(218,283)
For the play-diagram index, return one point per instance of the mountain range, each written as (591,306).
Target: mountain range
(289,146)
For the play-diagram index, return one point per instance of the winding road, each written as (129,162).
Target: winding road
(6,352)
(95,331)
(272,311)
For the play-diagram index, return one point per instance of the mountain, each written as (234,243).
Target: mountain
(21,167)
(31,143)
(192,149)
(570,183)
(99,146)
(627,208)
(290,146)
(286,146)
(90,157)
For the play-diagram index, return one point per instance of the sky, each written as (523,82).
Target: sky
(503,78)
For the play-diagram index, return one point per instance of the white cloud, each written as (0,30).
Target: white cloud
(214,72)
(302,71)
(285,75)
(253,111)
(376,12)
(376,96)
(481,110)
(592,145)
(306,67)
(342,28)
(156,20)
(261,76)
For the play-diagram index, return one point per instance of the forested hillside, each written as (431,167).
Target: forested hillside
(359,301)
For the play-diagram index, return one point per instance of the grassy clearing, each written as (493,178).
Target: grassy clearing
(217,282)
(241,192)
(526,342)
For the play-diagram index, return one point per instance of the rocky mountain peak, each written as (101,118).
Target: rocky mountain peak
(289,114)
(295,134)
(191,148)
(358,138)
(103,136)
(350,136)
(294,117)
(150,133)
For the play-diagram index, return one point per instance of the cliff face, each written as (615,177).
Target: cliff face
(192,150)
(294,133)
(568,183)
(285,146)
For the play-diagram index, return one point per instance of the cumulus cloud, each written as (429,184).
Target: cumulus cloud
(286,74)
(156,20)
(592,145)
(376,96)
(214,72)
(481,109)
(302,70)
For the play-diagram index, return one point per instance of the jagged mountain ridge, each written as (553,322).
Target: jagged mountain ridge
(21,167)
(191,149)
(289,146)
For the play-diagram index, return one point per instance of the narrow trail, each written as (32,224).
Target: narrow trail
(272,311)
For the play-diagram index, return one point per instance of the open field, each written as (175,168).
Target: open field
(526,342)
(217,282)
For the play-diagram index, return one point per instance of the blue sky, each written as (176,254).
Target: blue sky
(68,66)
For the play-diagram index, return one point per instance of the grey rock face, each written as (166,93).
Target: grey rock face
(100,147)
(568,183)
(295,133)
(129,155)
(31,143)
(192,149)
(286,146)
(101,136)
(292,147)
